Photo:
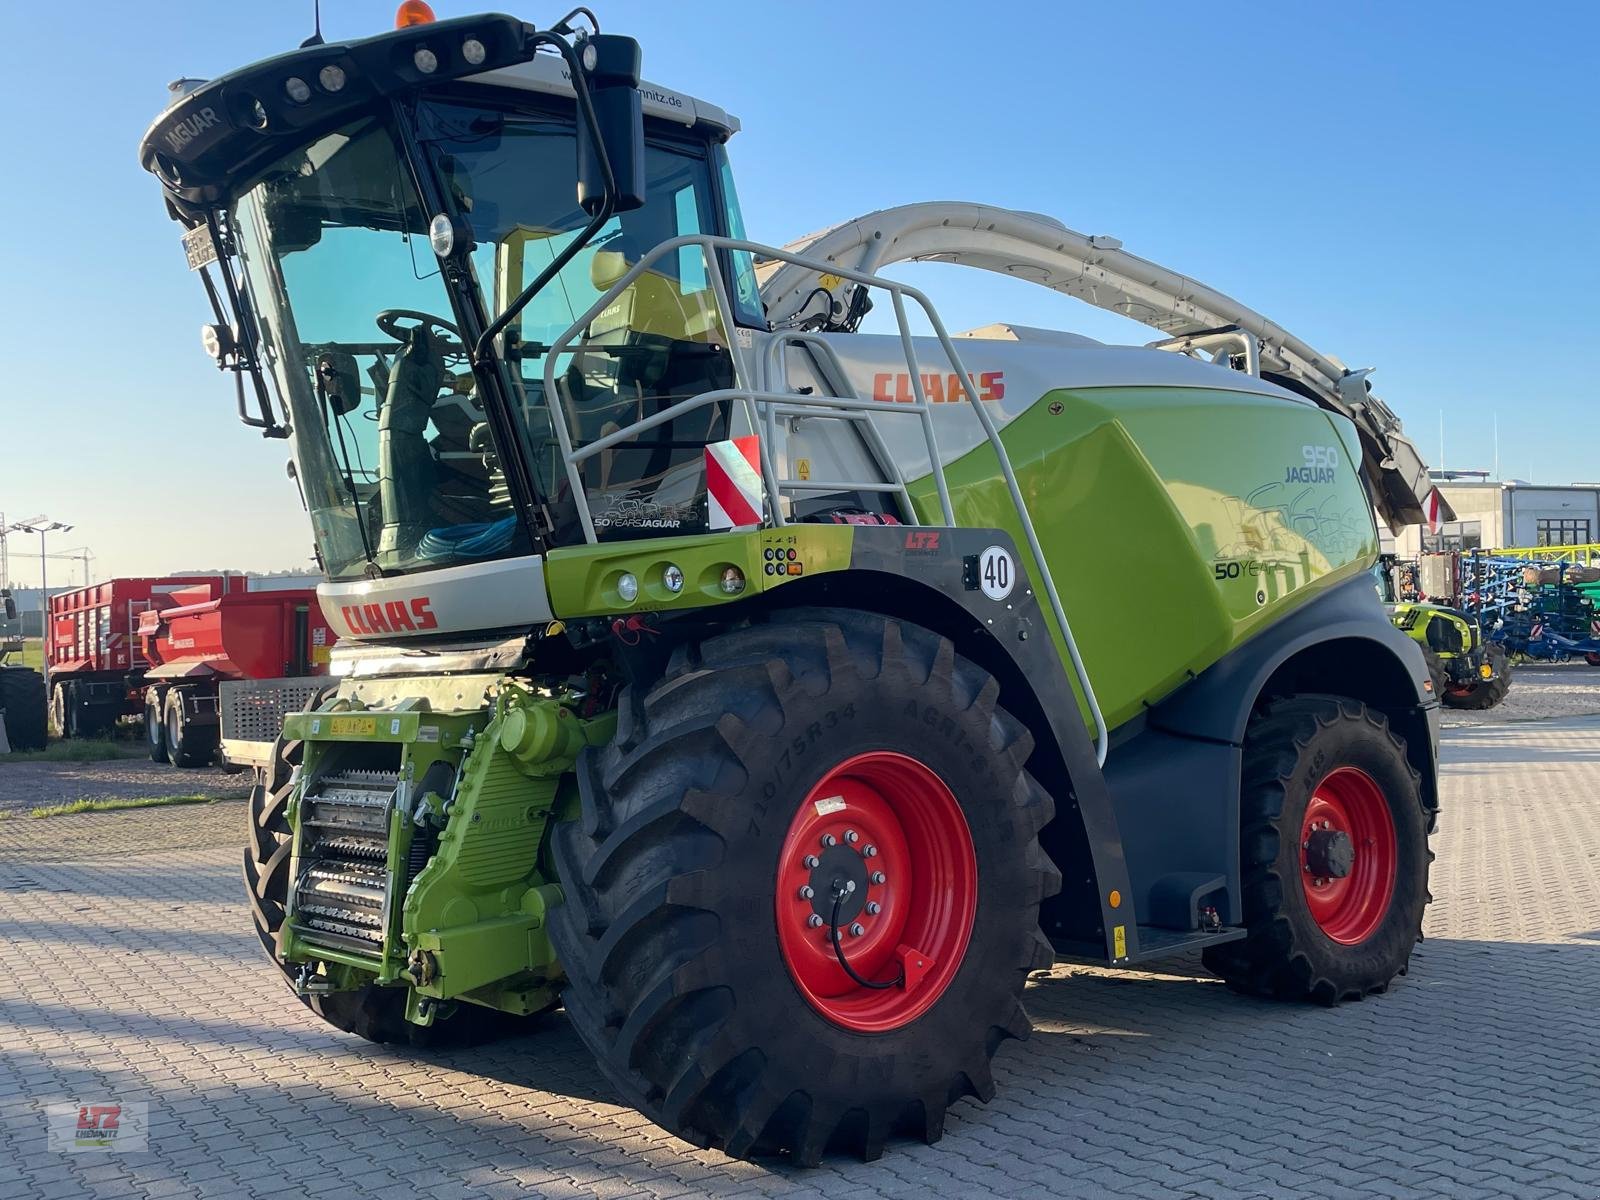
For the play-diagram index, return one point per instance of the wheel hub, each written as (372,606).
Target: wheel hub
(1330,853)
(840,868)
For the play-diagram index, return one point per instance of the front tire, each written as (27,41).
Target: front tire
(1334,854)
(686,935)
(1484,693)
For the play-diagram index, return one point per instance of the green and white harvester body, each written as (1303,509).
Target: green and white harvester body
(772,695)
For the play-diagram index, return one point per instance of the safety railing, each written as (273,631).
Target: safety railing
(763,405)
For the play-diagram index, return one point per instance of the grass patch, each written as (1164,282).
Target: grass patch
(77,750)
(114,805)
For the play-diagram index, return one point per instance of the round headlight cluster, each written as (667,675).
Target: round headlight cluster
(472,50)
(297,89)
(332,78)
(672,578)
(628,587)
(442,235)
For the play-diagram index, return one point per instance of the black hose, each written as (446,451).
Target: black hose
(838,949)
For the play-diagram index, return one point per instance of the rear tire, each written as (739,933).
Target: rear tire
(189,744)
(155,726)
(677,882)
(1485,693)
(23,703)
(1325,937)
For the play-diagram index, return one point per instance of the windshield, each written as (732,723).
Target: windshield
(510,174)
(394,456)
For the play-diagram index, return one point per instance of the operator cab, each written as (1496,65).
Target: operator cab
(366,235)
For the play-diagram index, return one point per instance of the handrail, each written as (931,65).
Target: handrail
(754,398)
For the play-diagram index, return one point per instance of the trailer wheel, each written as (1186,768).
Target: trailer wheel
(155,725)
(1335,854)
(374,1013)
(1481,694)
(58,709)
(188,744)
(23,703)
(826,774)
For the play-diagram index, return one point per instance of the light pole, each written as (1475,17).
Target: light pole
(42,526)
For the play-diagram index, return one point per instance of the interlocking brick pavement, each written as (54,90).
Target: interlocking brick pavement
(129,971)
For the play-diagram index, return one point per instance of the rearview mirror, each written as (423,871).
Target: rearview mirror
(11,605)
(611,66)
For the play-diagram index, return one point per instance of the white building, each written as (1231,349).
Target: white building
(1494,515)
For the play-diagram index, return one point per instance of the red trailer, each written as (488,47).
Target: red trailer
(162,647)
(203,638)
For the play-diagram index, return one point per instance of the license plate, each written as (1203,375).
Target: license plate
(358,725)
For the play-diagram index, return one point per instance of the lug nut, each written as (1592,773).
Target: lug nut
(806,893)
(879,877)
(828,840)
(812,861)
(814,921)
(851,836)
(870,851)
(857,930)
(873,908)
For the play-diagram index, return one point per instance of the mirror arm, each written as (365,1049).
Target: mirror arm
(267,420)
(580,88)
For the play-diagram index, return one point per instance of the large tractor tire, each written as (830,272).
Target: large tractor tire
(189,743)
(155,726)
(23,703)
(1484,693)
(374,1013)
(1334,841)
(1437,671)
(828,785)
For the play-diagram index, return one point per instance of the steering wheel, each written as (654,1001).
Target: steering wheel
(389,324)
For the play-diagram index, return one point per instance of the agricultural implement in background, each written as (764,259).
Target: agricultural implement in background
(1539,604)
(716,670)
(160,649)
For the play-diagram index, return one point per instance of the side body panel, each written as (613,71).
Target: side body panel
(1177,523)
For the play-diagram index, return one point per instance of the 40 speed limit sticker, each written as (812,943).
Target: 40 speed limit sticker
(997,572)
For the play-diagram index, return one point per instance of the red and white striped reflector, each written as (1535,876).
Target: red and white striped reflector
(733,482)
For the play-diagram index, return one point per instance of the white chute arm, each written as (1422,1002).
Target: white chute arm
(1098,271)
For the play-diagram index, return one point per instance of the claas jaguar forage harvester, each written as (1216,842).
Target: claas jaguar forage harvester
(731,676)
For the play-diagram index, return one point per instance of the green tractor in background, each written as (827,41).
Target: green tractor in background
(1468,671)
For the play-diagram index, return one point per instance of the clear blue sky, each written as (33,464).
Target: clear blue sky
(1407,186)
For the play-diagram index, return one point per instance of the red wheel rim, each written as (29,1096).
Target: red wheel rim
(899,836)
(1350,907)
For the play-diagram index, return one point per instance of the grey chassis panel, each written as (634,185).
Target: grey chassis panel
(1174,774)
(1021,633)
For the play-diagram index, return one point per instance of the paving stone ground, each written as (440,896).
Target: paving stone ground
(129,972)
